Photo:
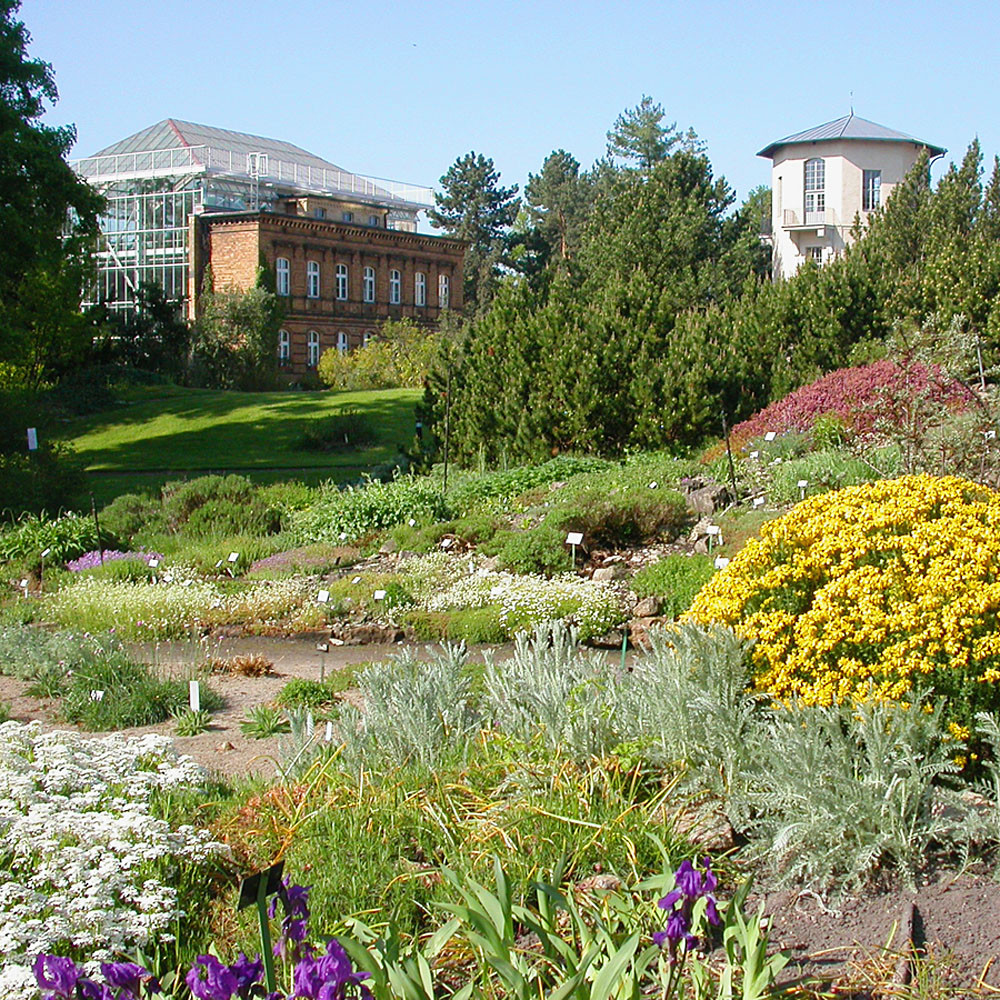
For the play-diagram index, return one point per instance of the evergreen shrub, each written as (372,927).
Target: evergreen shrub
(675,579)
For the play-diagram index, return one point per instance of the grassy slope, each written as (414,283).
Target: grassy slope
(165,432)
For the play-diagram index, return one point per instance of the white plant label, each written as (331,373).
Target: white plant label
(32,439)
(323,647)
(574,538)
(45,552)
(803,483)
(24,583)
(194,696)
(446,543)
(233,557)
(721,562)
(411,522)
(97,696)
(357,579)
(323,596)
(755,454)
(379,595)
(342,535)
(329,732)
(653,485)
(714,529)
(770,436)
(218,564)
(153,563)
(758,501)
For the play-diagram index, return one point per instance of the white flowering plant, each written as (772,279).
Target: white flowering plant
(88,868)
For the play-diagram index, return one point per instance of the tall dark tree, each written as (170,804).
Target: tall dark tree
(640,137)
(37,187)
(473,206)
(558,199)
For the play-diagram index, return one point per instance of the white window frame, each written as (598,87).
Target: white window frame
(368,284)
(284,347)
(283,276)
(815,254)
(346,216)
(871,190)
(343,285)
(814,187)
(312,279)
(312,349)
(420,289)
(444,291)
(342,344)
(395,287)
(373,220)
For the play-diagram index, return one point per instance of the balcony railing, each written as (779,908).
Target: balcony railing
(793,219)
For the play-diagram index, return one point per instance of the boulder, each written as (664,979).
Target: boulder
(648,607)
(708,499)
(607,573)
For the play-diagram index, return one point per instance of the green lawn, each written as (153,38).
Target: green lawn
(165,432)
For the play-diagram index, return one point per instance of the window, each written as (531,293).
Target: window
(815,254)
(282,272)
(342,342)
(871,190)
(373,220)
(815,186)
(395,287)
(319,213)
(312,279)
(347,216)
(284,347)
(312,359)
(368,337)
(368,284)
(420,289)
(444,291)
(342,282)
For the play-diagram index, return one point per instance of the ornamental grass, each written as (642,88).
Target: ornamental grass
(872,592)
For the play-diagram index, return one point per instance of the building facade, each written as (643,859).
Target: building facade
(826,178)
(338,280)
(344,248)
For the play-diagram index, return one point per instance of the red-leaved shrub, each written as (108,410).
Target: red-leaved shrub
(859,398)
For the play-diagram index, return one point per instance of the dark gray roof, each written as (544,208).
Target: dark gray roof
(849,127)
(172,132)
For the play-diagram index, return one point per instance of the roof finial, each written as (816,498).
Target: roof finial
(852,103)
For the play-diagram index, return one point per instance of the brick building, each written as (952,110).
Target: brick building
(344,249)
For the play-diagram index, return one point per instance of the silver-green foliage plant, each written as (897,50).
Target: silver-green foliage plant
(687,701)
(553,689)
(844,791)
(413,709)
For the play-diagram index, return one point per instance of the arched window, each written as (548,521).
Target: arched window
(368,284)
(282,270)
(395,287)
(815,191)
(420,289)
(342,282)
(342,342)
(284,347)
(368,337)
(444,291)
(312,279)
(312,359)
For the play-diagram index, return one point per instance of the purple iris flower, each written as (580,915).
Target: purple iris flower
(56,974)
(209,979)
(248,976)
(329,976)
(295,902)
(690,886)
(129,977)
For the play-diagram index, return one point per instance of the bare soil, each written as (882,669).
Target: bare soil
(951,923)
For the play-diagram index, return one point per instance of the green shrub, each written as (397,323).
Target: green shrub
(263,721)
(131,514)
(675,579)
(222,516)
(344,431)
(626,517)
(537,550)
(124,569)
(356,512)
(182,499)
(302,692)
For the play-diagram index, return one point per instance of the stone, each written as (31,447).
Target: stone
(223,747)
(701,546)
(388,547)
(606,574)
(648,607)
(708,499)
(706,826)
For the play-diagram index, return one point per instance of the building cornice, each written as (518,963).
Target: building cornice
(327,228)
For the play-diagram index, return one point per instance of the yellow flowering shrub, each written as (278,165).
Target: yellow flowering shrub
(872,591)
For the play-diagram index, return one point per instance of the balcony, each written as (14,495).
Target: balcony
(793,219)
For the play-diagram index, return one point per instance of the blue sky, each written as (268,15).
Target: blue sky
(401,89)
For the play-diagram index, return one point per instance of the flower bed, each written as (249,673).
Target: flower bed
(870,592)
(89,865)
